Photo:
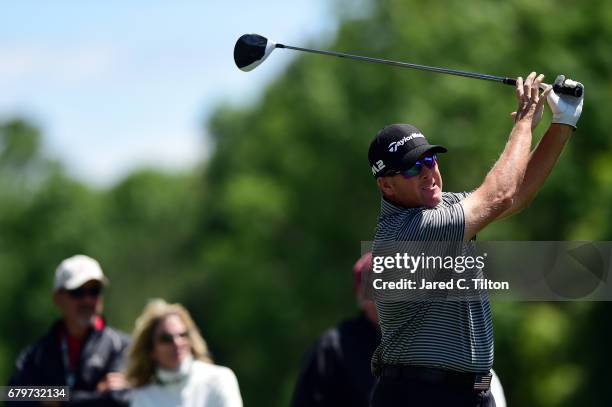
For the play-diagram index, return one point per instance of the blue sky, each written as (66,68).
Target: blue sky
(119,85)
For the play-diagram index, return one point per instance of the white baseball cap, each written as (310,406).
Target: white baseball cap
(76,271)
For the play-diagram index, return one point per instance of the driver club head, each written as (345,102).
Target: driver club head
(251,50)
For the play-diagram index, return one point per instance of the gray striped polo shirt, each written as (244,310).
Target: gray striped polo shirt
(453,335)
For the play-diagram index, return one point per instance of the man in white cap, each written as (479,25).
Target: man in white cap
(80,350)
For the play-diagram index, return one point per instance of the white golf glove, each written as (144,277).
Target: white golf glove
(566,109)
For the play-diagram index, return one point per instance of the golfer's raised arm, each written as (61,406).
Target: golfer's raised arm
(501,185)
(566,112)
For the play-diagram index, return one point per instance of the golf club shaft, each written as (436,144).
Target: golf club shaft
(502,79)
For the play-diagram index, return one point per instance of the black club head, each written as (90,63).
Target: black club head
(251,50)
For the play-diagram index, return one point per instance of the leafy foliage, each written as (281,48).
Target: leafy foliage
(259,243)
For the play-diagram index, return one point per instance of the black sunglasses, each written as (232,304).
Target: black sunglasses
(81,292)
(167,337)
(428,161)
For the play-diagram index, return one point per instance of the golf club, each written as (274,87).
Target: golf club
(252,49)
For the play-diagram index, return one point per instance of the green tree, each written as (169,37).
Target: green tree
(259,242)
(290,195)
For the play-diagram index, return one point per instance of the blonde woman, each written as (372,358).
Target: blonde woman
(169,364)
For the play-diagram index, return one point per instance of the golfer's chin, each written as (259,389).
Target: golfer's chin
(431,197)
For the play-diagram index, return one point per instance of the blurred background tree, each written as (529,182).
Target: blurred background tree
(258,243)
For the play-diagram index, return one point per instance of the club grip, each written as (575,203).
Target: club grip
(568,87)
(560,87)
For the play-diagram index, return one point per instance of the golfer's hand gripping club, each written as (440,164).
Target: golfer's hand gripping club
(530,101)
(566,109)
(563,87)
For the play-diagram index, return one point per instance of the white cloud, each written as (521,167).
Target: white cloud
(113,91)
(106,164)
(27,62)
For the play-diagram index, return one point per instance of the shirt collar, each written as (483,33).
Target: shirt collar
(167,376)
(388,208)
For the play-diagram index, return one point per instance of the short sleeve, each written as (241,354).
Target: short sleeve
(451,198)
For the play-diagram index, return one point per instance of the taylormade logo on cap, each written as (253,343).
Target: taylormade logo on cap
(397,147)
(394,145)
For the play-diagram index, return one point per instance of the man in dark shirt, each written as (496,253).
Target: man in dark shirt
(336,370)
(80,350)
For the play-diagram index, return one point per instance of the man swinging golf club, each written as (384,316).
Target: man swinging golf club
(440,353)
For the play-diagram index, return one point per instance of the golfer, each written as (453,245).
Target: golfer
(440,353)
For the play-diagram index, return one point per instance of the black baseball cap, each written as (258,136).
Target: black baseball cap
(397,147)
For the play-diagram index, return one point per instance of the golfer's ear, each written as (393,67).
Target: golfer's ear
(385,184)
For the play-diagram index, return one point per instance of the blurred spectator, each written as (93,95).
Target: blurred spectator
(336,369)
(79,350)
(169,363)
